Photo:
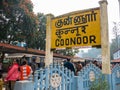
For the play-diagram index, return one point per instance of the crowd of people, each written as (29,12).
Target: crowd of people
(17,72)
(74,67)
(77,66)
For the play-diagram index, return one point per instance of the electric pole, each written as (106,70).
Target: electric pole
(119,22)
(119,8)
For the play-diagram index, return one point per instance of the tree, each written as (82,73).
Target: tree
(115,44)
(67,51)
(113,48)
(116,31)
(40,35)
(18,22)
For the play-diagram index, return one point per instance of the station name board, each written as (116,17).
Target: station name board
(76,29)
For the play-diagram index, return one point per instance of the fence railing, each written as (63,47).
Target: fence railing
(57,77)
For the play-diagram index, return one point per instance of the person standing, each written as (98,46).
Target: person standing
(25,71)
(78,66)
(33,65)
(12,75)
(1,67)
(69,65)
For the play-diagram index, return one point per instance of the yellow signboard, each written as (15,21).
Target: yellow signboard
(76,29)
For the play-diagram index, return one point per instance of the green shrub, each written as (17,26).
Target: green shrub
(99,84)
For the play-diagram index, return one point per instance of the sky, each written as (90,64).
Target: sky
(59,7)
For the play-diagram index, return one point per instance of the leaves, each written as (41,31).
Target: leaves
(67,51)
(18,20)
(100,84)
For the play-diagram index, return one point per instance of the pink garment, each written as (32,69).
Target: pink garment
(13,73)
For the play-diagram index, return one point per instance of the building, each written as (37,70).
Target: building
(116,57)
(116,54)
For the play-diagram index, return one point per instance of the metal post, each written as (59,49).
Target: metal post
(49,53)
(105,38)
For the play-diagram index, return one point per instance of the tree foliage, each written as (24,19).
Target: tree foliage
(40,35)
(115,44)
(67,51)
(100,84)
(18,22)
(113,48)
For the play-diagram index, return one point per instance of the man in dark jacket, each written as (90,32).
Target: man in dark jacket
(69,65)
(33,65)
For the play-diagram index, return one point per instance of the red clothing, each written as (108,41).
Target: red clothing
(13,73)
(25,72)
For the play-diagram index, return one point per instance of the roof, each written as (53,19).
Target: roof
(116,60)
(20,55)
(8,48)
(116,50)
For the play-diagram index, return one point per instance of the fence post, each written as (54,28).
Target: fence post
(113,81)
(30,78)
(78,83)
(35,80)
(109,80)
